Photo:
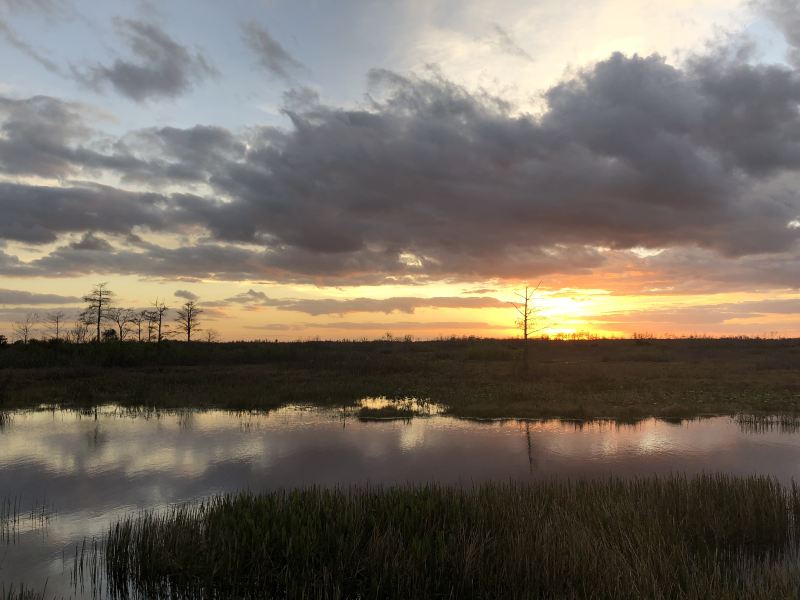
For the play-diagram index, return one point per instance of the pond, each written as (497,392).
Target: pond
(70,474)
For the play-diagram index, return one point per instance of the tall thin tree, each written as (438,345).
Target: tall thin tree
(188,318)
(525,321)
(151,319)
(98,301)
(159,310)
(137,320)
(55,320)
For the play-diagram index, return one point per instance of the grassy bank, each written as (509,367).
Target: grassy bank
(709,537)
(626,379)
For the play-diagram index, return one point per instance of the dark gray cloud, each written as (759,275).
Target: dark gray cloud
(90,241)
(37,135)
(330,306)
(188,263)
(161,67)
(16,297)
(271,55)
(436,180)
(429,181)
(49,137)
(38,214)
(186,295)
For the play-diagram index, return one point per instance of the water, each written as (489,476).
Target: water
(91,468)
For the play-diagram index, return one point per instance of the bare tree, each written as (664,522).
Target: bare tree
(137,320)
(98,302)
(526,320)
(121,317)
(188,318)
(24,330)
(81,330)
(212,335)
(55,320)
(151,317)
(159,310)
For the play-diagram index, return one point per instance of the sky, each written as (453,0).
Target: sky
(351,169)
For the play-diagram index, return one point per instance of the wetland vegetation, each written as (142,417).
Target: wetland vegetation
(482,378)
(677,537)
(722,536)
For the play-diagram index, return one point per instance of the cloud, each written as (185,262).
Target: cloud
(271,55)
(505,43)
(48,137)
(401,326)
(10,35)
(16,297)
(36,135)
(329,306)
(162,68)
(785,14)
(38,214)
(628,154)
(90,241)
(47,7)
(186,294)
(753,316)
(187,263)
(429,181)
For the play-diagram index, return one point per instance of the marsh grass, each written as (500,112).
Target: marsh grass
(386,413)
(15,518)
(87,568)
(383,408)
(768,423)
(706,537)
(620,379)
(21,593)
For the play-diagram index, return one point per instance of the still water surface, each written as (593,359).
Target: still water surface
(88,469)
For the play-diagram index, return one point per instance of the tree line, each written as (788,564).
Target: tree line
(102,320)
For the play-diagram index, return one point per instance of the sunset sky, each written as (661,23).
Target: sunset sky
(347,169)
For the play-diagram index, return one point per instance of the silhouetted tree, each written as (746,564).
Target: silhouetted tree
(24,329)
(98,302)
(55,320)
(212,335)
(3,340)
(151,317)
(110,335)
(121,317)
(158,311)
(525,321)
(137,320)
(188,318)
(79,332)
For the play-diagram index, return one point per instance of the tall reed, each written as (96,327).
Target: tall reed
(705,537)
